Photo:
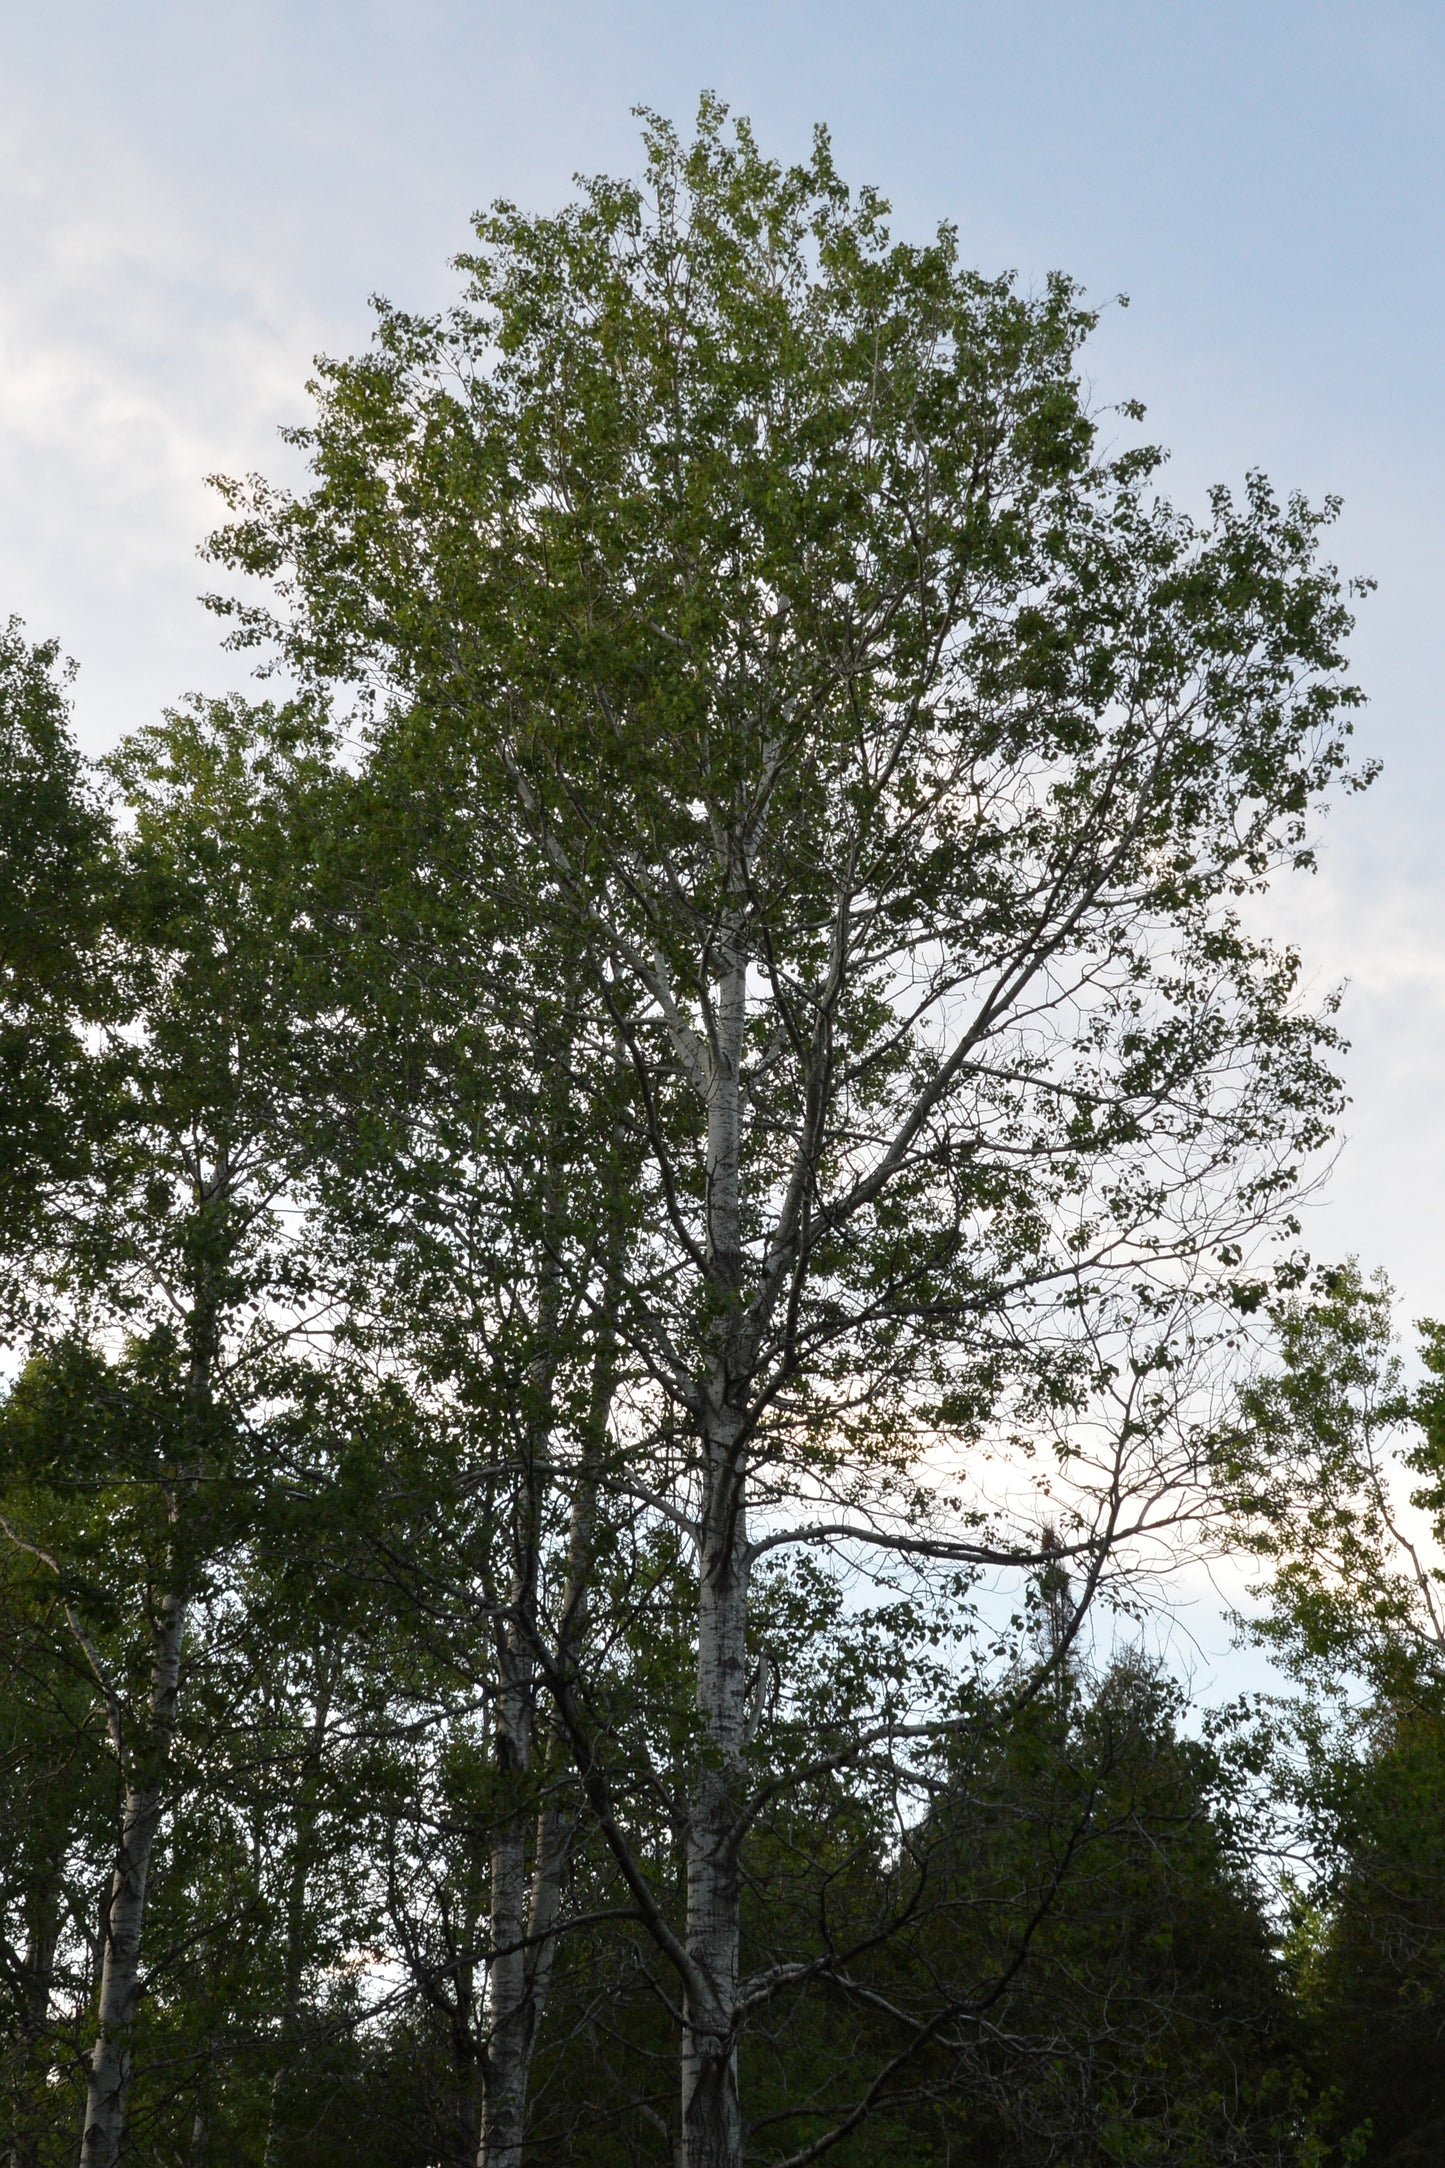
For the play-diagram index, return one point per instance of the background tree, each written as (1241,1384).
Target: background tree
(1338,1473)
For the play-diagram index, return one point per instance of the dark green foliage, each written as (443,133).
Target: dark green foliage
(1336,1475)
(52,828)
(54,885)
(1371,1953)
(1083,1941)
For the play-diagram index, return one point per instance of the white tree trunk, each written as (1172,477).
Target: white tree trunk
(507,2054)
(711,2117)
(712,2129)
(110,2064)
(509,2027)
(525,1907)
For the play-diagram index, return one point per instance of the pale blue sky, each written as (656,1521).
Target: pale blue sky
(195,197)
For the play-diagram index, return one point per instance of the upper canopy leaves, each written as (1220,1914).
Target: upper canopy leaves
(767,582)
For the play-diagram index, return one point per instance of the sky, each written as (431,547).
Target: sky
(195,199)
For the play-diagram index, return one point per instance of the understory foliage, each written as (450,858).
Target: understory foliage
(633,1222)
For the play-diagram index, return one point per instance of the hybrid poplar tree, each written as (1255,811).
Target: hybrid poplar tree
(895,760)
(160,1277)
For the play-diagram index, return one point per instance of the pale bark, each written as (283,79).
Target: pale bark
(308,1809)
(108,2082)
(712,2130)
(508,2039)
(525,1907)
(711,2118)
(145,1761)
(505,2089)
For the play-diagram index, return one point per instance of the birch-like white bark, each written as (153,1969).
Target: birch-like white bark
(505,2067)
(509,2028)
(712,2131)
(145,1765)
(555,1827)
(298,1889)
(108,2082)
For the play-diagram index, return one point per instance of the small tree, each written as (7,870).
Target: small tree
(894,761)
(1337,1467)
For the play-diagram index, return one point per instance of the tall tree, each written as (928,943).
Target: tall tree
(55,888)
(167,1236)
(895,760)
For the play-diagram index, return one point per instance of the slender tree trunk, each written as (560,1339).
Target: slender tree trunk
(711,2115)
(42,1934)
(508,2038)
(467,2121)
(712,2129)
(525,1909)
(555,1827)
(145,1765)
(110,2063)
(201,2136)
(308,1811)
(505,2101)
